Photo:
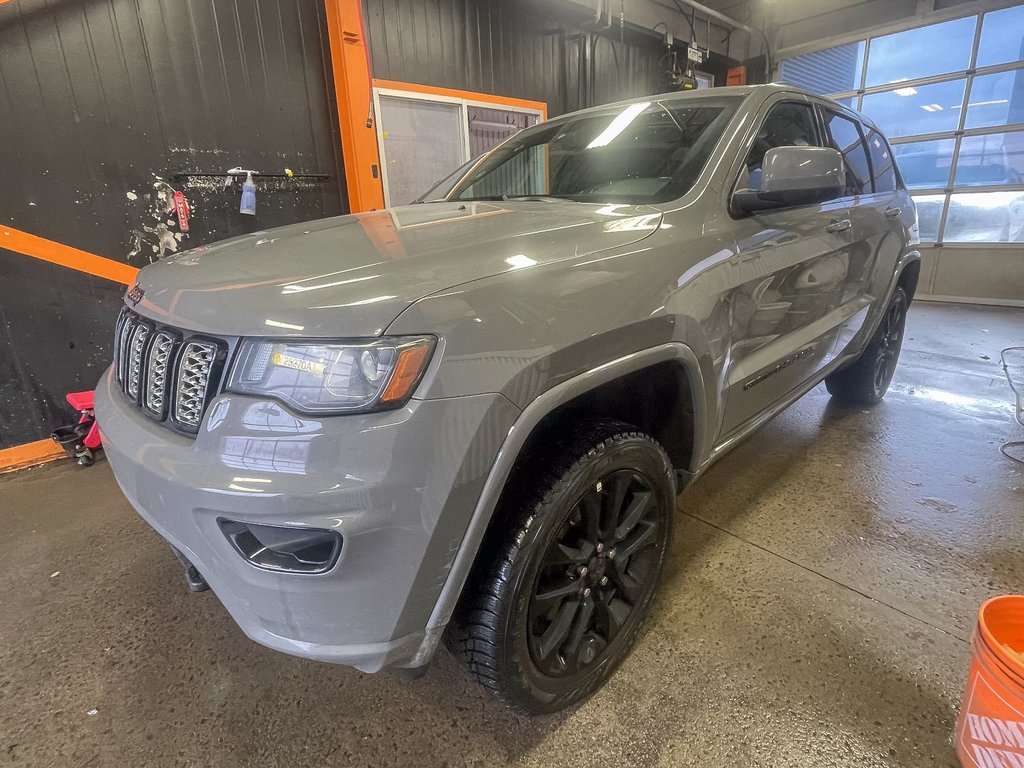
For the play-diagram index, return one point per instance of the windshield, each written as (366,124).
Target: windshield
(646,152)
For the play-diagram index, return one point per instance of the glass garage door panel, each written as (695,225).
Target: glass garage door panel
(995,158)
(1002,37)
(925,164)
(996,100)
(985,217)
(833,70)
(921,52)
(929,215)
(422,143)
(914,111)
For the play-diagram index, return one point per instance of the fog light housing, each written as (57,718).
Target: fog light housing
(282,548)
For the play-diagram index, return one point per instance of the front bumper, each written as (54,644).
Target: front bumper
(400,487)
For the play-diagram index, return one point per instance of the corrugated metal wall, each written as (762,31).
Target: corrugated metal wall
(518,48)
(101,101)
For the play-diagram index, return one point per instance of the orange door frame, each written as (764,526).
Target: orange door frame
(350,61)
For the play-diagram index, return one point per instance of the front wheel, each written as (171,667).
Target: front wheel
(866,381)
(559,595)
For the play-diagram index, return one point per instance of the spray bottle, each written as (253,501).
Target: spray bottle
(248,196)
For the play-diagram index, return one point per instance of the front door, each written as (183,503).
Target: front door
(793,265)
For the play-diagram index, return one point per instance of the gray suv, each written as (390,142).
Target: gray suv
(469,418)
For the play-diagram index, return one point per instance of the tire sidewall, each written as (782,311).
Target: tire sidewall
(531,688)
(899,296)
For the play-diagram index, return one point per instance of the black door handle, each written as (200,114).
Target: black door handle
(839,226)
(892,213)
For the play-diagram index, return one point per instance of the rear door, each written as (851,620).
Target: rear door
(879,214)
(791,266)
(846,134)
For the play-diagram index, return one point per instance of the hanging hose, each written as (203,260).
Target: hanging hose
(1013,367)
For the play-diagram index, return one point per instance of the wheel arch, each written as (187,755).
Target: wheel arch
(909,276)
(673,358)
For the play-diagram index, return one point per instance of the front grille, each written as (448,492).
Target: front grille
(193,381)
(167,372)
(135,350)
(157,367)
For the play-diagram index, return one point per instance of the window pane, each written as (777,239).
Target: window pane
(985,217)
(881,163)
(847,139)
(921,52)
(849,101)
(997,158)
(1002,37)
(914,111)
(635,153)
(996,100)
(929,212)
(489,126)
(422,143)
(833,70)
(787,125)
(925,163)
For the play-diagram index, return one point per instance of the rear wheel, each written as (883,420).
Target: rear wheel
(557,601)
(866,381)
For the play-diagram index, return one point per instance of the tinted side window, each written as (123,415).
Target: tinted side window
(882,168)
(845,136)
(787,125)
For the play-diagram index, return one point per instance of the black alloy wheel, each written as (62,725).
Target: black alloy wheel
(569,569)
(596,572)
(889,344)
(866,381)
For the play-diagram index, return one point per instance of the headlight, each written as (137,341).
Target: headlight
(324,377)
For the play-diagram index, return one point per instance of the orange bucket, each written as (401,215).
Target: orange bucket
(990,731)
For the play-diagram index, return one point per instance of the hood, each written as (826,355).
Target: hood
(351,276)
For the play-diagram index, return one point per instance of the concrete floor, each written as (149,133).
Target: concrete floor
(817,610)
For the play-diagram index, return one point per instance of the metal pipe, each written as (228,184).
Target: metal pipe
(735,23)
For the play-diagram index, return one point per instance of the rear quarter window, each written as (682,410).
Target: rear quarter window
(883,171)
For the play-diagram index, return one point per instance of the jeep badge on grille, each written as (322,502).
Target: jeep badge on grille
(135,294)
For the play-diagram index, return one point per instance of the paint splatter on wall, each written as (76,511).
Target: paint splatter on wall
(158,234)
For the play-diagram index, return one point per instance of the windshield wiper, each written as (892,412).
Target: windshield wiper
(540,197)
(502,198)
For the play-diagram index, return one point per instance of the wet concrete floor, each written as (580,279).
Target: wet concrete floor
(817,610)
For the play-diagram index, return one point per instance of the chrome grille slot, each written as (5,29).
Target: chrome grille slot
(124,332)
(193,379)
(133,368)
(158,364)
(166,372)
(122,318)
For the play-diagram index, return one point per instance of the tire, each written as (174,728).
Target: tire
(866,381)
(560,591)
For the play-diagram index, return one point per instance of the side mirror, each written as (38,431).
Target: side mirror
(795,176)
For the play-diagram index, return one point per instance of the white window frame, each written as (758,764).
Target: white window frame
(463,103)
(977,10)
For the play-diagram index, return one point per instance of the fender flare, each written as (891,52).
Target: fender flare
(513,444)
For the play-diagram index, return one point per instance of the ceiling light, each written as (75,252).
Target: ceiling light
(618,125)
(519,261)
(288,326)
